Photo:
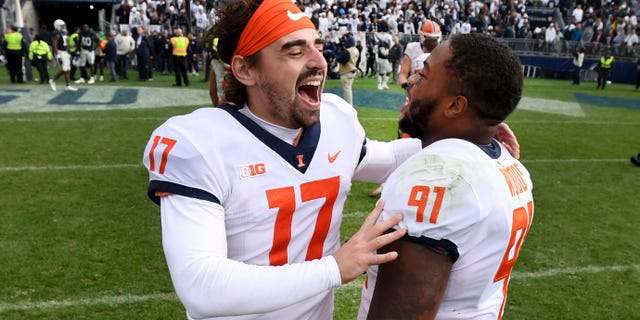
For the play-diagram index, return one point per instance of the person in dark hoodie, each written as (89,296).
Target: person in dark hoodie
(45,34)
(144,48)
(111,55)
(348,69)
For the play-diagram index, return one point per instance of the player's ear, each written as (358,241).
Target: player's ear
(456,106)
(242,71)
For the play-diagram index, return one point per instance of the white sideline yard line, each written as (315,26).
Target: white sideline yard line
(108,300)
(125,299)
(356,214)
(566,271)
(542,274)
(622,123)
(572,160)
(73,167)
(59,119)
(33,98)
(136,165)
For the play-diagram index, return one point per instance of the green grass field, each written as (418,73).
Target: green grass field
(80,240)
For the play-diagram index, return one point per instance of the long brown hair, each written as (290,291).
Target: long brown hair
(232,19)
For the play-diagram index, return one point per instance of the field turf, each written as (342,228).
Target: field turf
(80,240)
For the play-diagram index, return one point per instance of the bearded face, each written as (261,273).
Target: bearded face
(415,122)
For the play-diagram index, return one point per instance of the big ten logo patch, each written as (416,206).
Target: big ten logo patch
(252,170)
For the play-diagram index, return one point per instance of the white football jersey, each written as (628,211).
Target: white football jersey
(418,63)
(476,202)
(282,204)
(413,51)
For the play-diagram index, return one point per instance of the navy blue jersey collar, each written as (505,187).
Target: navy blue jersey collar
(493,150)
(299,156)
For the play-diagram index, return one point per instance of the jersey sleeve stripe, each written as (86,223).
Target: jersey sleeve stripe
(174,188)
(442,246)
(363,150)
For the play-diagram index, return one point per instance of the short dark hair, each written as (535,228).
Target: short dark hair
(487,72)
(429,43)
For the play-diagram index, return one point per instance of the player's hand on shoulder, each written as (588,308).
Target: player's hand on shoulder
(359,252)
(505,135)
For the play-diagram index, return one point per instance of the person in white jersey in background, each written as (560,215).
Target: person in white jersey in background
(416,52)
(467,204)
(413,58)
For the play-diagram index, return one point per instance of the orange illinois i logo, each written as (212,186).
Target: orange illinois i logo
(252,170)
(300,158)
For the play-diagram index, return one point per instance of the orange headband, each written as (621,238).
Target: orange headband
(272,20)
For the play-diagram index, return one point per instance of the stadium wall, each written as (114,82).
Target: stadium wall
(562,67)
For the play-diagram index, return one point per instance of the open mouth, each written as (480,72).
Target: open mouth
(310,91)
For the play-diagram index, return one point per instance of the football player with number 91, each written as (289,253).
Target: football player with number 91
(467,204)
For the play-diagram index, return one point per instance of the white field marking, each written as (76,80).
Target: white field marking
(391,119)
(125,299)
(567,271)
(600,123)
(572,160)
(133,165)
(548,106)
(539,274)
(35,98)
(356,214)
(108,300)
(550,122)
(551,106)
(73,167)
(81,119)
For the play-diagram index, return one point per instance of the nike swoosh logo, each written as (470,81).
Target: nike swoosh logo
(295,16)
(333,158)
